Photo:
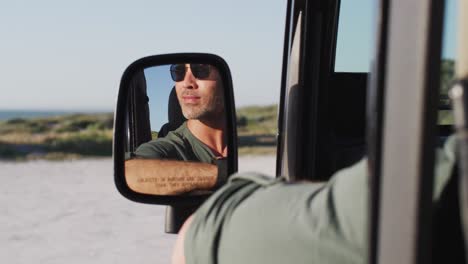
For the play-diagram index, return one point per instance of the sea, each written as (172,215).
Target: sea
(27,114)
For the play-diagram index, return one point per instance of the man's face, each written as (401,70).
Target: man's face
(200,98)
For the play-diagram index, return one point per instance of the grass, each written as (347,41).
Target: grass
(257,150)
(256,128)
(445,117)
(62,137)
(257,120)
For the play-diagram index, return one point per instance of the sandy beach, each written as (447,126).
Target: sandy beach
(70,212)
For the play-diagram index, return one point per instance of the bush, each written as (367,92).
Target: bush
(8,151)
(37,128)
(93,144)
(15,121)
(242,121)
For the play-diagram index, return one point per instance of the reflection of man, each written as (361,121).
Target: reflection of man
(200,139)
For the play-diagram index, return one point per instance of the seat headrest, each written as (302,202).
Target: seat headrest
(174,112)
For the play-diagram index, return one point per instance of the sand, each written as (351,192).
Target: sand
(70,212)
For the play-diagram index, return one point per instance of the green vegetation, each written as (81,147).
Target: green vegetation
(154,135)
(256,128)
(446,78)
(447,74)
(257,150)
(68,136)
(257,120)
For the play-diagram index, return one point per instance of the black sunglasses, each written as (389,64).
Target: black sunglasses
(200,71)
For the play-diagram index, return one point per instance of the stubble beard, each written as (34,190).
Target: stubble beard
(213,109)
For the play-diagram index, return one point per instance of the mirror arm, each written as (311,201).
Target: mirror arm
(176,216)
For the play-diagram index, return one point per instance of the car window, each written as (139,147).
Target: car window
(448,61)
(355,36)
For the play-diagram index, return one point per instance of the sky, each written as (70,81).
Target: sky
(158,85)
(70,55)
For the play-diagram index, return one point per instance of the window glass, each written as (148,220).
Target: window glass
(447,61)
(355,39)
(355,36)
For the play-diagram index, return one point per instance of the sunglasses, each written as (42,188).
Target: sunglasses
(200,71)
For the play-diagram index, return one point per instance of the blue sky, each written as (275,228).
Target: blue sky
(69,55)
(159,86)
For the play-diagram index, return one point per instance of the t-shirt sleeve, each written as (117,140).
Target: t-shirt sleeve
(254,219)
(157,149)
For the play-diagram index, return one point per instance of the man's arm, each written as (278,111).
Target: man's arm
(252,220)
(168,177)
(251,217)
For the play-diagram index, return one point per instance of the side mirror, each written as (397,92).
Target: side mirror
(175,138)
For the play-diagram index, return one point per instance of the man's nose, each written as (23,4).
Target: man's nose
(189,80)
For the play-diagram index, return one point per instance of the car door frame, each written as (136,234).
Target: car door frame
(410,79)
(308,61)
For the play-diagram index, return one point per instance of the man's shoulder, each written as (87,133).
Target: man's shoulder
(179,144)
(164,147)
(158,148)
(176,137)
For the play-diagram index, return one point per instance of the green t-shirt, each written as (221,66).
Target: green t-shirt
(179,144)
(256,219)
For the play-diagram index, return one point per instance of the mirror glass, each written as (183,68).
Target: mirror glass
(175,130)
